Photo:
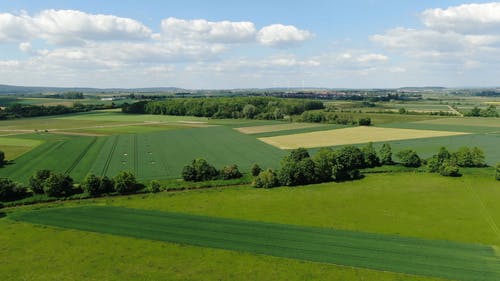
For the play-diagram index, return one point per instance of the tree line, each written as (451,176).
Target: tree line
(221,107)
(27,110)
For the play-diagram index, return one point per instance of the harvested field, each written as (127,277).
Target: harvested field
(273,128)
(435,258)
(351,136)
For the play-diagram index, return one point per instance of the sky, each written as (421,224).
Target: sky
(196,44)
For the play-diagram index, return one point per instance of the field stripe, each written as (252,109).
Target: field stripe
(110,156)
(80,157)
(376,251)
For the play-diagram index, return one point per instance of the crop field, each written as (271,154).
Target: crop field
(481,122)
(351,136)
(15,147)
(164,154)
(273,128)
(382,252)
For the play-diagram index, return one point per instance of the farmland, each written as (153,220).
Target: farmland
(409,205)
(351,136)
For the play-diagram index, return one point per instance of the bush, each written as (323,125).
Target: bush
(385,154)
(2,158)
(154,186)
(409,158)
(95,186)
(125,182)
(497,173)
(347,162)
(323,164)
(266,179)
(466,157)
(365,121)
(230,172)
(449,169)
(58,185)
(10,190)
(297,168)
(371,158)
(199,170)
(37,181)
(255,170)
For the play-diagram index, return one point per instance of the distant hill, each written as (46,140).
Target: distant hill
(9,89)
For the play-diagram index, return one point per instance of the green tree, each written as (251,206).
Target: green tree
(154,186)
(449,169)
(323,164)
(37,181)
(299,154)
(478,159)
(2,158)
(297,168)
(255,170)
(266,179)
(199,170)
(371,158)
(402,110)
(10,190)
(409,158)
(92,185)
(230,172)
(125,182)
(497,173)
(58,185)
(249,111)
(367,121)
(463,157)
(385,154)
(348,161)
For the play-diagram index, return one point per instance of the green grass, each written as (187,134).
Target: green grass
(162,155)
(114,115)
(425,206)
(382,252)
(324,127)
(15,147)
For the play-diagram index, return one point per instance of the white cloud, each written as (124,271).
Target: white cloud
(208,31)
(366,58)
(467,18)
(69,26)
(25,47)
(278,35)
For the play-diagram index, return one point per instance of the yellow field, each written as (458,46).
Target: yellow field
(354,135)
(13,147)
(274,128)
(470,121)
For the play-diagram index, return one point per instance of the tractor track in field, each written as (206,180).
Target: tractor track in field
(136,156)
(110,156)
(80,157)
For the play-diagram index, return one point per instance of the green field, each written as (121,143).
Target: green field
(382,252)
(423,206)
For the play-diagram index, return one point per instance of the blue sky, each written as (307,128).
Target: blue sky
(242,44)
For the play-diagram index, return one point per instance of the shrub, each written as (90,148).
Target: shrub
(230,172)
(125,182)
(365,121)
(2,158)
(347,162)
(497,173)
(58,185)
(323,164)
(37,181)
(199,170)
(409,158)
(297,168)
(449,169)
(466,157)
(385,154)
(266,179)
(371,158)
(10,190)
(255,170)
(95,185)
(154,186)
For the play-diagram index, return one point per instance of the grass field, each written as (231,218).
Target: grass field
(405,204)
(351,136)
(15,147)
(471,121)
(382,252)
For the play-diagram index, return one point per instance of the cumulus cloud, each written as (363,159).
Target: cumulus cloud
(366,58)
(69,26)
(467,18)
(279,35)
(209,31)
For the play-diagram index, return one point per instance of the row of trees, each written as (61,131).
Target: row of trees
(490,111)
(200,170)
(60,185)
(326,165)
(28,110)
(319,116)
(236,107)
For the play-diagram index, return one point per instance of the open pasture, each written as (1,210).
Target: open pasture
(354,135)
(14,147)
(383,252)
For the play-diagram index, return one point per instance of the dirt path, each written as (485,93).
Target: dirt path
(455,111)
